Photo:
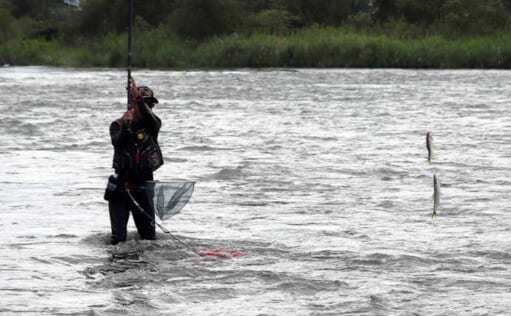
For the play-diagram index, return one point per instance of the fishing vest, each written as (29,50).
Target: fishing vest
(139,156)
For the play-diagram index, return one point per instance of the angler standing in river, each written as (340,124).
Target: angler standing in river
(137,155)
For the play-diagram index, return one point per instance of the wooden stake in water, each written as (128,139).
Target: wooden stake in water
(429,145)
(436,194)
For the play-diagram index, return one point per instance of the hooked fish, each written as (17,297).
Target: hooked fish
(429,145)
(436,194)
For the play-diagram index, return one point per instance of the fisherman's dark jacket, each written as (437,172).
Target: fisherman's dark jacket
(136,151)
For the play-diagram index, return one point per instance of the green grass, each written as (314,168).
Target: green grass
(314,47)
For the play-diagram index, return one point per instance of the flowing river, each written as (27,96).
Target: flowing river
(319,178)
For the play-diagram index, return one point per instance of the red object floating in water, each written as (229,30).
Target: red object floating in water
(220,253)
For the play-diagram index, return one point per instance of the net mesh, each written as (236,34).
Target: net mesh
(170,197)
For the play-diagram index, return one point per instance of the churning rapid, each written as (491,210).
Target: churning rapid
(319,178)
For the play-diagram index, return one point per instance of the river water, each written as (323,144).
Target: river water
(319,177)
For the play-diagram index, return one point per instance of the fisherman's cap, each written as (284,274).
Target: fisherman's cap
(148,95)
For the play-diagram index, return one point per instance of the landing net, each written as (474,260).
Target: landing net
(170,197)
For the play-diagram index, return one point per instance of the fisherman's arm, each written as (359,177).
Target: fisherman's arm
(119,133)
(152,121)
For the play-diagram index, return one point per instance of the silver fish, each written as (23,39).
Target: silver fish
(436,194)
(429,145)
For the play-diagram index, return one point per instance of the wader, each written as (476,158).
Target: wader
(120,205)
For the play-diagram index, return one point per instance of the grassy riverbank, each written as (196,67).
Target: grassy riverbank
(310,47)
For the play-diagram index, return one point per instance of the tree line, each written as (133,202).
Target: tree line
(198,20)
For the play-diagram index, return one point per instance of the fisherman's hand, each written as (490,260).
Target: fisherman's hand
(131,82)
(127,118)
(133,89)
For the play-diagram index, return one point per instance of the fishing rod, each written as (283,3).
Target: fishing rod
(130,57)
(130,47)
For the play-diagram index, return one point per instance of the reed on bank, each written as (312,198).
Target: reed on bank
(312,47)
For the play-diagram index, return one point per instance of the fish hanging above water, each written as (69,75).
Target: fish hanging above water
(436,194)
(429,145)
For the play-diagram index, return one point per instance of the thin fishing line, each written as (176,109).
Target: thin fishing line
(163,229)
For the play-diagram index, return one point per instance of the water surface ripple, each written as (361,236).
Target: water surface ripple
(319,176)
